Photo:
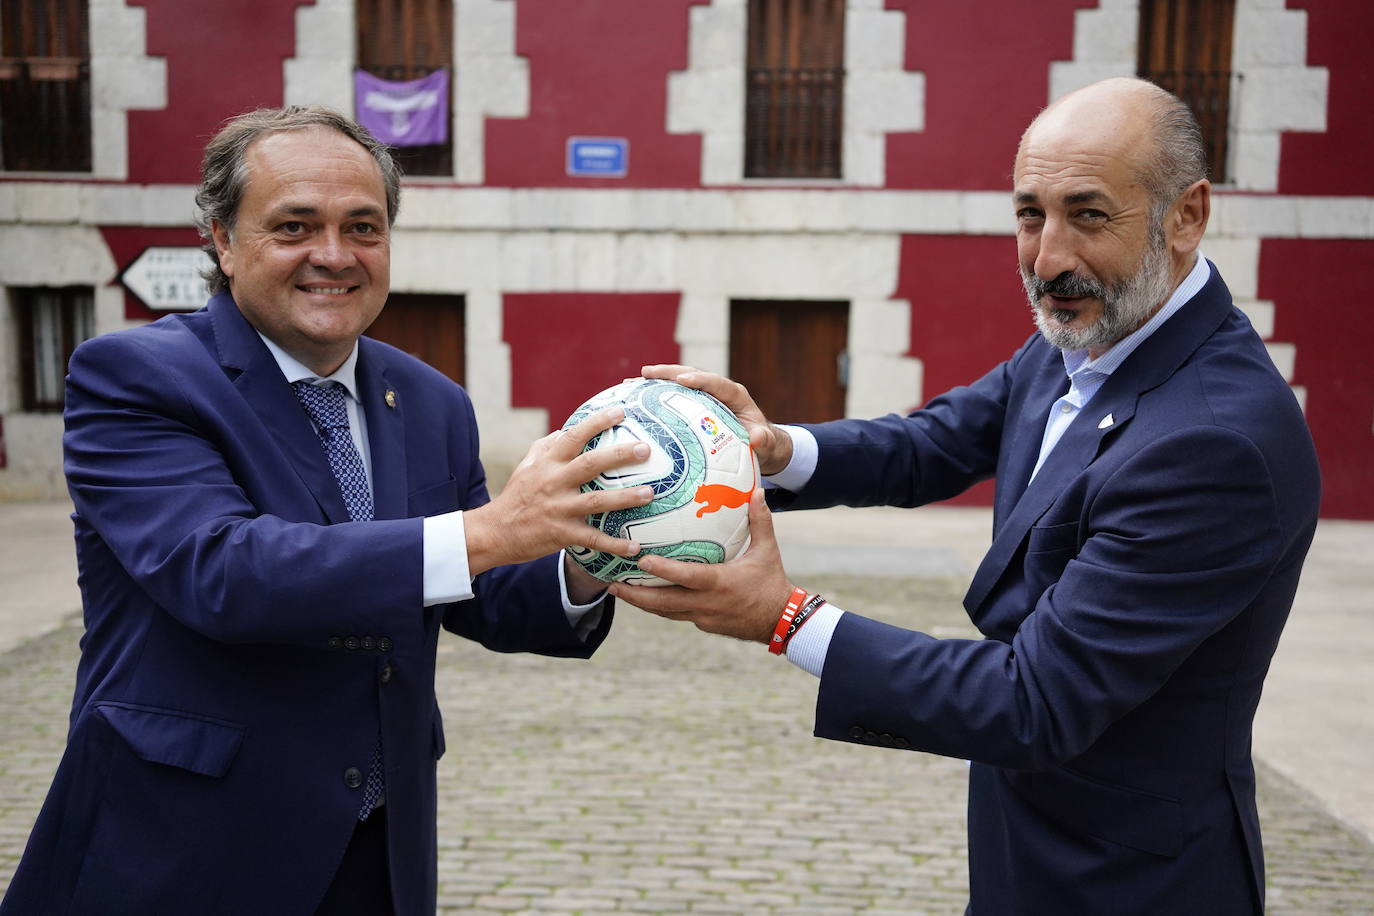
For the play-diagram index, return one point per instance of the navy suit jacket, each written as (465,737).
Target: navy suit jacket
(1131,601)
(244,641)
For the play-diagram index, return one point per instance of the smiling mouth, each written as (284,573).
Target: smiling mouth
(327,290)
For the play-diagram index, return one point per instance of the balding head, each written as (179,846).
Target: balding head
(1151,129)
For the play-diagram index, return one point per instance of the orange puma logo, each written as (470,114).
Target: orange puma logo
(718,496)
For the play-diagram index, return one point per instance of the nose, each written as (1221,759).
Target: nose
(1054,254)
(330,252)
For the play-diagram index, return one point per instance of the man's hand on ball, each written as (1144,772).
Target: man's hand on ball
(542,508)
(742,598)
(772,446)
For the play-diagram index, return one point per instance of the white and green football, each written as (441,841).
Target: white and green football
(700,466)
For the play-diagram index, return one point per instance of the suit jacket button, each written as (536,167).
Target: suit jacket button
(870,737)
(335,642)
(384,644)
(352,642)
(386,673)
(856,732)
(369,643)
(886,740)
(902,744)
(353,777)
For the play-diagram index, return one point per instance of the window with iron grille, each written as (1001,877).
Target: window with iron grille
(403,40)
(794,89)
(1185,47)
(45,86)
(51,321)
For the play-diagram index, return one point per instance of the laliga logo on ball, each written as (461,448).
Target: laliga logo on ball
(700,467)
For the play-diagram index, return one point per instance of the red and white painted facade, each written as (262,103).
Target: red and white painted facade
(917,236)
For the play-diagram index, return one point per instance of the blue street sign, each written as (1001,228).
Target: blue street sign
(598,157)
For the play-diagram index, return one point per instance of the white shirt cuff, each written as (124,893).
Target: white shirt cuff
(447,577)
(805,453)
(808,646)
(583,618)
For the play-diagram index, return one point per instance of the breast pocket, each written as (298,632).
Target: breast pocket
(433,500)
(1049,548)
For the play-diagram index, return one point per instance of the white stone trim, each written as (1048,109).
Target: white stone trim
(489,79)
(649,212)
(1276,91)
(880,96)
(123,78)
(321,73)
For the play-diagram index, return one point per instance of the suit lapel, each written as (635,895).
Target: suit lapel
(1100,420)
(259,380)
(385,412)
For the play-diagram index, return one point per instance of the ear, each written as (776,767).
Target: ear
(223,247)
(1187,219)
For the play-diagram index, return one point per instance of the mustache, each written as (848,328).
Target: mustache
(1068,285)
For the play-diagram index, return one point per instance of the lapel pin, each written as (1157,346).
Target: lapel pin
(1105,422)
(390,398)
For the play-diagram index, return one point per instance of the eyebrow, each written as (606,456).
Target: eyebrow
(1077,197)
(303,210)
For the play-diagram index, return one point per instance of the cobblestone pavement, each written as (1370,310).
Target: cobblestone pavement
(676,773)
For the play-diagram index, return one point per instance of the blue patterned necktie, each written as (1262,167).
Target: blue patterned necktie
(325,405)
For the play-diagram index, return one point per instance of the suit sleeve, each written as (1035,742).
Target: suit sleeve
(518,608)
(1173,549)
(931,454)
(148,476)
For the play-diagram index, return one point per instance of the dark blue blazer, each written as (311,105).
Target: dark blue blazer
(1131,601)
(245,641)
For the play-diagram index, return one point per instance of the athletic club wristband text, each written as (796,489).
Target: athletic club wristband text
(788,625)
(780,633)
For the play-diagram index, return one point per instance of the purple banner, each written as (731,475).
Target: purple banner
(403,114)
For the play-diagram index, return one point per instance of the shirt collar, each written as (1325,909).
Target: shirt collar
(1076,361)
(295,370)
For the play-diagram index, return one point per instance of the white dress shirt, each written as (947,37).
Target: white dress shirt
(446,574)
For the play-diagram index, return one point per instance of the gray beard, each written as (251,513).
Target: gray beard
(1125,306)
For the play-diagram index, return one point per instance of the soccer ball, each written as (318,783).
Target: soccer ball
(700,466)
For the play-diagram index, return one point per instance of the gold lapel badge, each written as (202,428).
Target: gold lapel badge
(390,398)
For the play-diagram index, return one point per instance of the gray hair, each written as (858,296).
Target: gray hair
(1179,158)
(224,171)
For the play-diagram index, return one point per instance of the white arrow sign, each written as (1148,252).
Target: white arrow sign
(167,278)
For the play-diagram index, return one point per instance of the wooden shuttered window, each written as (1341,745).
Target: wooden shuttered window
(52,321)
(404,40)
(794,89)
(1185,47)
(45,86)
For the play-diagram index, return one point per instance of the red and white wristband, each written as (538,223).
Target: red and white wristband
(799,609)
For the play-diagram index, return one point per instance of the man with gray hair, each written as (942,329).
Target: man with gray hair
(1157,491)
(275,516)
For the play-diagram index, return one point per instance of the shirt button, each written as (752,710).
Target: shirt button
(353,777)
(1064,408)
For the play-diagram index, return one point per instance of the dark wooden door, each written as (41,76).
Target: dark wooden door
(1185,47)
(791,356)
(428,326)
